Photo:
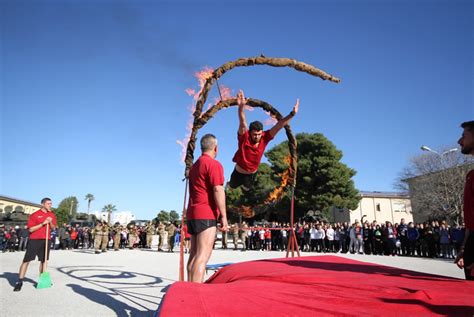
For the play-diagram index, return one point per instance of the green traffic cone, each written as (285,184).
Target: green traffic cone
(44,281)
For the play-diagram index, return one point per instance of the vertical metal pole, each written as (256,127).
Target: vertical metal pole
(292,242)
(181,243)
(219,89)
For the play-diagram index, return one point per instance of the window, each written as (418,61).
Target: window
(377,207)
(399,206)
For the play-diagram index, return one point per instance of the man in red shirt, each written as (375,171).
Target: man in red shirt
(252,144)
(39,223)
(206,205)
(465,258)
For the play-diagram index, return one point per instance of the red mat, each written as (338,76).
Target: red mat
(319,285)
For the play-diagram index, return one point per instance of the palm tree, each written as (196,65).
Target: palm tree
(109,209)
(89,198)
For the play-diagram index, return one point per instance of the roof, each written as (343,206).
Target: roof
(19,201)
(384,194)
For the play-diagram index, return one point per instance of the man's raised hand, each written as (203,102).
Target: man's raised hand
(241,101)
(296,106)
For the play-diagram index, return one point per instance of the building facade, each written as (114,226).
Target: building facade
(123,217)
(10,205)
(379,207)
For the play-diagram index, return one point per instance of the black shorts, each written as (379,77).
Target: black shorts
(245,180)
(196,226)
(35,248)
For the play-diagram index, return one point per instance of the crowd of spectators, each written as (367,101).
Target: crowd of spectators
(435,239)
(68,237)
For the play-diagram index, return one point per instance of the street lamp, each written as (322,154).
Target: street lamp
(426,148)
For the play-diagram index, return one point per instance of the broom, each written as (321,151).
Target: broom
(45,279)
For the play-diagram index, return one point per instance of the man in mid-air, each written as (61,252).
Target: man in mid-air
(252,143)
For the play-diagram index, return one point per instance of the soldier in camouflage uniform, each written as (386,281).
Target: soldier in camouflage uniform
(243,235)
(105,236)
(161,234)
(132,236)
(97,236)
(235,234)
(171,228)
(150,231)
(116,231)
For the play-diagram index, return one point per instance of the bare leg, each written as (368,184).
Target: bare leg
(203,244)
(41,267)
(192,255)
(23,268)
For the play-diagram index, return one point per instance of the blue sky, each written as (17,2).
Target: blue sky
(93,92)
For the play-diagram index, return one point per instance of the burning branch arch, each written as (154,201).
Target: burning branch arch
(201,119)
(255,103)
(244,62)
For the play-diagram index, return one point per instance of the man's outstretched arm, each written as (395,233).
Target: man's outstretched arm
(284,121)
(241,102)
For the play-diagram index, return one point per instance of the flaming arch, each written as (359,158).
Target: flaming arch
(200,119)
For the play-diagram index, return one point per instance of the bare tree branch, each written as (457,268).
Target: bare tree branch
(436,184)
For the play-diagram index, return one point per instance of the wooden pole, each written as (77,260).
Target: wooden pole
(181,243)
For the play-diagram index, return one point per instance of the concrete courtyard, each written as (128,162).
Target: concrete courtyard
(133,282)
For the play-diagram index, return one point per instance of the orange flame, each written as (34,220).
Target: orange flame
(277,193)
(271,120)
(201,76)
(246,107)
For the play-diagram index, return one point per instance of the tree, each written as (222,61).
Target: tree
(322,180)
(89,198)
(174,216)
(163,216)
(67,209)
(436,184)
(109,209)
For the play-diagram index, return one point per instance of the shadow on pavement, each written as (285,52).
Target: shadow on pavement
(111,284)
(84,251)
(104,298)
(12,278)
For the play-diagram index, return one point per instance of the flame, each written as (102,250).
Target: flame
(190,92)
(201,76)
(225,92)
(271,120)
(277,193)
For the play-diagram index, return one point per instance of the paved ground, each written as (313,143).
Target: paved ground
(131,282)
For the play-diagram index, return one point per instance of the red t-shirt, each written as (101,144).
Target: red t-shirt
(35,219)
(469,201)
(267,234)
(248,155)
(205,174)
